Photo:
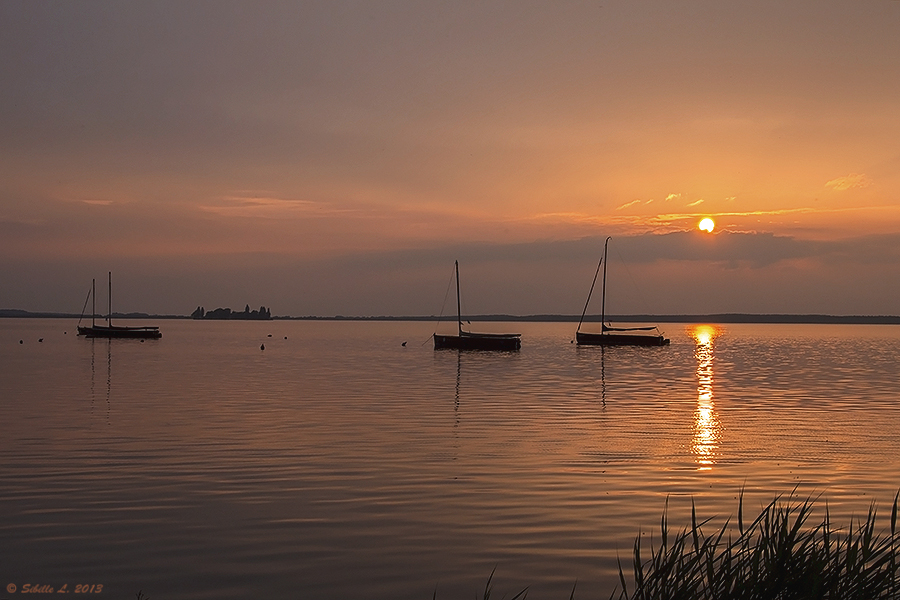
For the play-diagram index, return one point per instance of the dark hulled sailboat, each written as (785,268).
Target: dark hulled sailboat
(467,340)
(114,331)
(615,336)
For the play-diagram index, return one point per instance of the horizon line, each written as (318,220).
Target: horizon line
(727,317)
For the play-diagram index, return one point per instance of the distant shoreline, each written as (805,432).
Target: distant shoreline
(814,319)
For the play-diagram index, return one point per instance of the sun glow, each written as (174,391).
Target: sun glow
(707,225)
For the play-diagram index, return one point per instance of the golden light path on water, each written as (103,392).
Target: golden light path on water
(707,431)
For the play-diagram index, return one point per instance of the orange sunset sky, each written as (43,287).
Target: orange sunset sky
(325,158)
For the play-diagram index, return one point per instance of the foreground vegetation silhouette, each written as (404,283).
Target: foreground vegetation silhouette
(781,555)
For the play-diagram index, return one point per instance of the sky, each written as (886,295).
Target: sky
(336,158)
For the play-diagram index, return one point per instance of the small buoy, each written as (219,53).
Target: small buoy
(285,337)
(403,344)
(21,341)
(40,339)
(262,346)
(142,341)
(270,335)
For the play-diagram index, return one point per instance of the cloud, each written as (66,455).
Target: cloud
(747,249)
(849,182)
(627,204)
(673,197)
(725,272)
(638,201)
(696,202)
(265,207)
(670,218)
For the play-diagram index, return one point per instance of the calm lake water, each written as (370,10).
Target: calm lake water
(337,463)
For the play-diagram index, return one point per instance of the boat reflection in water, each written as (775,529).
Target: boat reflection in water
(706,429)
(108,387)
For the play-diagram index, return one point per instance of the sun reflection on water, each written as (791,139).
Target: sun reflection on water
(707,431)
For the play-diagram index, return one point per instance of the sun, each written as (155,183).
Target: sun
(707,225)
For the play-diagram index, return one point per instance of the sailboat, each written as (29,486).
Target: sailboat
(109,330)
(615,336)
(467,340)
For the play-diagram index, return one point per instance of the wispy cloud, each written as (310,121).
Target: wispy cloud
(263,207)
(673,197)
(632,224)
(696,202)
(627,204)
(849,182)
(565,216)
(670,217)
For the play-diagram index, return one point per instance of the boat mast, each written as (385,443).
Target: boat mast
(109,302)
(93,301)
(458,305)
(603,297)
(590,293)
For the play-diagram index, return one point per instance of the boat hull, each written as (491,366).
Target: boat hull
(619,339)
(101,331)
(478,341)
